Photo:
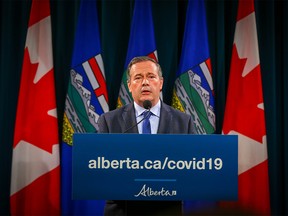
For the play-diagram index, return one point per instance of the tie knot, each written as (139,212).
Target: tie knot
(147,114)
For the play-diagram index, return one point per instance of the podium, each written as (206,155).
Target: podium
(154,167)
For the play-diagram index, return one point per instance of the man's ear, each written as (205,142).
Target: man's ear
(128,84)
(162,84)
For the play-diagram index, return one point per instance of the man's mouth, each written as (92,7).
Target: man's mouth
(145,91)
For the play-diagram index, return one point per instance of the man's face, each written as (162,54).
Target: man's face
(145,83)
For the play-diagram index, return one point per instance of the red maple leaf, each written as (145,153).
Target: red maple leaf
(244,95)
(33,123)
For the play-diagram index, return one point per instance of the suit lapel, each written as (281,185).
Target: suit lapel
(129,119)
(165,123)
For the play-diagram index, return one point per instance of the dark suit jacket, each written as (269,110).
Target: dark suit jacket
(171,121)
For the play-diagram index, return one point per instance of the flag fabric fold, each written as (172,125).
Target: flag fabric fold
(35,176)
(86,100)
(244,116)
(193,89)
(141,43)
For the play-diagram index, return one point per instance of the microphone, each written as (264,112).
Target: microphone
(147,105)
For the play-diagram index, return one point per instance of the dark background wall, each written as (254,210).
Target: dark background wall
(169,18)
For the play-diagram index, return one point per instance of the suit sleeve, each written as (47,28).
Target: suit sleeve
(191,127)
(102,125)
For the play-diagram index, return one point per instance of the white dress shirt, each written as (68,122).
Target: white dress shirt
(154,118)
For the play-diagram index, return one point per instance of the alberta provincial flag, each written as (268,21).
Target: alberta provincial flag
(193,89)
(35,178)
(244,116)
(86,99)
(141,43)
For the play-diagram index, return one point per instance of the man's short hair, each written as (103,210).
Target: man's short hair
(142,59)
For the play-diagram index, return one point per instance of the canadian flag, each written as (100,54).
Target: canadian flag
(35,178)
(244,115)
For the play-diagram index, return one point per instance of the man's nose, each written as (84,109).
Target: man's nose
(145,81)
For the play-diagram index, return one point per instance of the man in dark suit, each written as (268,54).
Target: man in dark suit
(145,82)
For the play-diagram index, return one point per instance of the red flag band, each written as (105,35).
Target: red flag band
(35,180)
(244,115)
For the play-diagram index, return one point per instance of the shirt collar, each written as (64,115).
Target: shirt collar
(155,109)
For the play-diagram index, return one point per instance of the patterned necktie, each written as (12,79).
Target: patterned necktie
(146,127)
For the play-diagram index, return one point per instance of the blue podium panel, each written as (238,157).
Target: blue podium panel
(155,167)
